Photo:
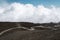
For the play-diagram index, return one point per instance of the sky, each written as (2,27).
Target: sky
(37,11)
(35,2)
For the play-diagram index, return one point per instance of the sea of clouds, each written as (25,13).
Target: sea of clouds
(18,12)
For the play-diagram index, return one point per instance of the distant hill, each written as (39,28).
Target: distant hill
(7,25)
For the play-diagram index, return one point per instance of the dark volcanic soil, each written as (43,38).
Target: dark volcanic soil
(42,33)
(31,35)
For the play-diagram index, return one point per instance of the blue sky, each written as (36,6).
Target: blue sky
(39,11)
(46,3)
(37,2)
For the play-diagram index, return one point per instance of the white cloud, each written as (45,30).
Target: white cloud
(27,12)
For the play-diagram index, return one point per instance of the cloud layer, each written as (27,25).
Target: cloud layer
(17,12)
